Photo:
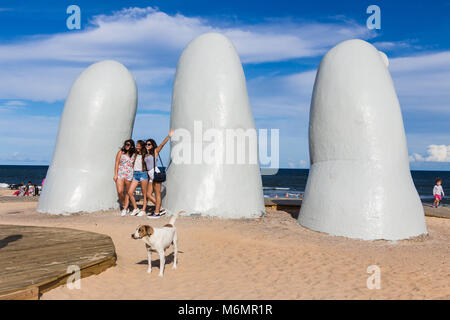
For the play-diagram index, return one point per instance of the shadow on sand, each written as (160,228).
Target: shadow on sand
(7,240)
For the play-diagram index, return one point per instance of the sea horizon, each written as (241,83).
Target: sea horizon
(290,182)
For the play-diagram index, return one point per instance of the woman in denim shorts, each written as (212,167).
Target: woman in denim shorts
(139,176)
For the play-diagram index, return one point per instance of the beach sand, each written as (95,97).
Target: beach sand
(6,192)
(268,258)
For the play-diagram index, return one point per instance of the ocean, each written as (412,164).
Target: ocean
(286,181)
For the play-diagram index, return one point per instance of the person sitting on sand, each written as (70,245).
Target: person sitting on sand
(438,192)
(151,159)
(27,188)
(17,192)
(21,190)
(139,176)
(31,190)
(123,173)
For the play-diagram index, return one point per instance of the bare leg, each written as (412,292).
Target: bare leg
(131,190)
(162,262)
(150,193)
(120,186)
(127,197)
(157,188)
(144,185)
(149,258)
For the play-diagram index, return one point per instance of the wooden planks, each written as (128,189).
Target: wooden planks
(289,204)
(283,204)
(38,257)
(441,212)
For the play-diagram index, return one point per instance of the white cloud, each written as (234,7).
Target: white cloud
(436,153)
(11,105)
(303,164)
(430,61)
(392,45)
(423,81)
(149,42)
(422,84)
(27,139)
(14,103)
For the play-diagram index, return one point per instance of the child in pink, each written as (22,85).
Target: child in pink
(438,192)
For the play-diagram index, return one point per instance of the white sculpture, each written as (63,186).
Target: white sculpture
(359,184)
(98,116)
(210,92)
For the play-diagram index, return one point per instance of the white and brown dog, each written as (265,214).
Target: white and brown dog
(159,239)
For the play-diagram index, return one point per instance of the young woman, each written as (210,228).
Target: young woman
(151,161)
(139,176)
(123,173)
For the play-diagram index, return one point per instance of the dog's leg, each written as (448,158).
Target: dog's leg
(149,258)
(162,262)
(175,251)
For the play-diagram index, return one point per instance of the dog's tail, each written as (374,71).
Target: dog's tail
(175,216)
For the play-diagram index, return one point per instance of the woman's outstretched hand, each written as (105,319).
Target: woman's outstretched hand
(171,132)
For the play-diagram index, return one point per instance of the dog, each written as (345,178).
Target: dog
(159,239)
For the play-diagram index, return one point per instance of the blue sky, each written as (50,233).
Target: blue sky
(280,44)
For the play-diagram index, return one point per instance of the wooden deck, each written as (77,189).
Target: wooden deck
(34,260)
(292,205)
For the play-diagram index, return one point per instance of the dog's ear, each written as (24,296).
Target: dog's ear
(149,230)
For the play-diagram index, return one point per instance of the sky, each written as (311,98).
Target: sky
(280,44)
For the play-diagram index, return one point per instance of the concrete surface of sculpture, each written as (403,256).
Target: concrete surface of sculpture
(98,116)
(210,98)
(359,184)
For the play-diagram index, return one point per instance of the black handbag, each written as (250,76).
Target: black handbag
(158,176)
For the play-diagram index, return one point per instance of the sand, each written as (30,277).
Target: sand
(268,258)
(4,192)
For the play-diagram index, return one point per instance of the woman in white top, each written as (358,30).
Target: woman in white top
(139,176)
(151,160)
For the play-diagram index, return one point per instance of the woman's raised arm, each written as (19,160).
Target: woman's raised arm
(159,148)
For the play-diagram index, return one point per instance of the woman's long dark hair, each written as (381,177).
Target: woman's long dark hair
(143,152)
(132,149)
(153,142)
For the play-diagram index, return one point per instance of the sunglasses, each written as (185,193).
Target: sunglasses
(149,144)
(127,144)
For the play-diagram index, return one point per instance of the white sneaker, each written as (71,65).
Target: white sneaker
(135,212)
(141,213)
(124,212)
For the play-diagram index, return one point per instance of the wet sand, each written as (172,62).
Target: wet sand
(268,258)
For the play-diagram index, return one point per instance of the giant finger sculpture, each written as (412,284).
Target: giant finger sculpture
(98,116)
(210,98)
(359,184)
